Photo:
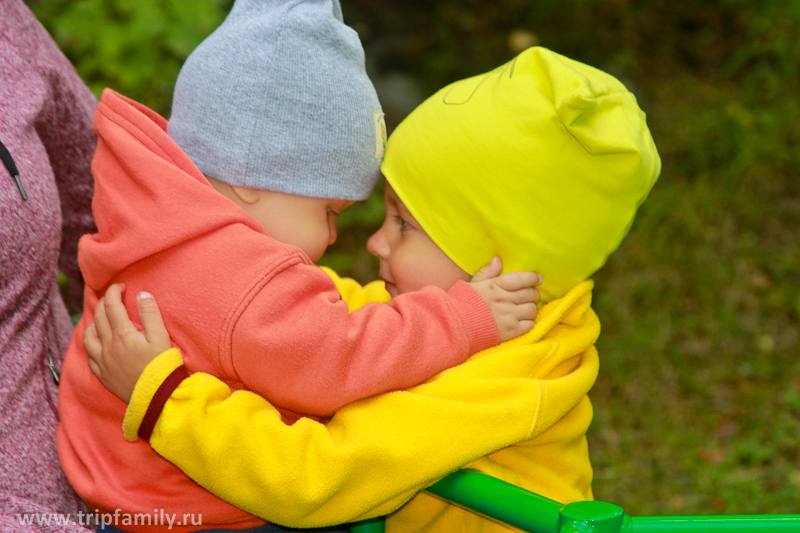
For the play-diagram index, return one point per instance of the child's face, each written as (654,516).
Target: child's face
(309,223)
(410,260)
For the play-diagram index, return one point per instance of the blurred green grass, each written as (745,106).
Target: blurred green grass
(697,408)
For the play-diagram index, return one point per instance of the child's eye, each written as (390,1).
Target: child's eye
(404,226)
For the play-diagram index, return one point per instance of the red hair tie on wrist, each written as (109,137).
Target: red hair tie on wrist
(160,400)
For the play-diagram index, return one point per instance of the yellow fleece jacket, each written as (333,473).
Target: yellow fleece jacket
(518,411)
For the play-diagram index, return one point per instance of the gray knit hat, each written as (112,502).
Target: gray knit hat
(277,98)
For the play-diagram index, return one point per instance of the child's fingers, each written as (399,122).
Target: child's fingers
(491,270)
(115,309)
(91,342)
(154,329)
(512,281)
(527,312)
(525,295)
(101,322)
(525,326)
(94,367)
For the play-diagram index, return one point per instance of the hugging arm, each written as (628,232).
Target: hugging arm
(367,461)
(296,342)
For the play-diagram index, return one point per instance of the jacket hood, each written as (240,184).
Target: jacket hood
(149,196)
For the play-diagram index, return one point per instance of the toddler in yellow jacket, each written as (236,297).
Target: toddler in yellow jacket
(542,161)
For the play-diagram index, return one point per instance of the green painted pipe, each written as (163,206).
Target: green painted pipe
(497,499)
(502,501)
(589,516)
(530,512)
(714,524)
(490,497)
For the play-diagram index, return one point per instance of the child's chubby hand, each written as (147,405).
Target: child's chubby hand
(118,351)
(511,297)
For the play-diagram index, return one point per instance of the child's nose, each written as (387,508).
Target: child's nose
(377,245)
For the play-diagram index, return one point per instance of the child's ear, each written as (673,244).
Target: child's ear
(247,195)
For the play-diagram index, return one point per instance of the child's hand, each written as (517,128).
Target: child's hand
(118,351)
(512,297)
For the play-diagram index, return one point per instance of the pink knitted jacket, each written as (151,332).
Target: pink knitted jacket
(45,123)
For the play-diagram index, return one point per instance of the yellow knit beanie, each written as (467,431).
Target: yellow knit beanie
(542,161)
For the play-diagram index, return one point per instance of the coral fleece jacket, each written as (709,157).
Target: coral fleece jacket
(240,305)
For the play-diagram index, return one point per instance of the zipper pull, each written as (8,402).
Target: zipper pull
(8,161)
(20,187)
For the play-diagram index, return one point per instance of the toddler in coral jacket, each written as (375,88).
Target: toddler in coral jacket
(221,213)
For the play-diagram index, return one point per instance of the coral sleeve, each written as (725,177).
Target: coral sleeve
(297,343)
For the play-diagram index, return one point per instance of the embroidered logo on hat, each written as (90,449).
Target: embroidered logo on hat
(380,133)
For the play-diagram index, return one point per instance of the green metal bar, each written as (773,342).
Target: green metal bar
(712,524)
(530,512)
(497,499)
(589,516)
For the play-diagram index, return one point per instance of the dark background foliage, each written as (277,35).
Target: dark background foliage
(697,408)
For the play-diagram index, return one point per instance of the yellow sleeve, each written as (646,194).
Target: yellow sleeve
(151,379)
(357,296)
(372,457)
